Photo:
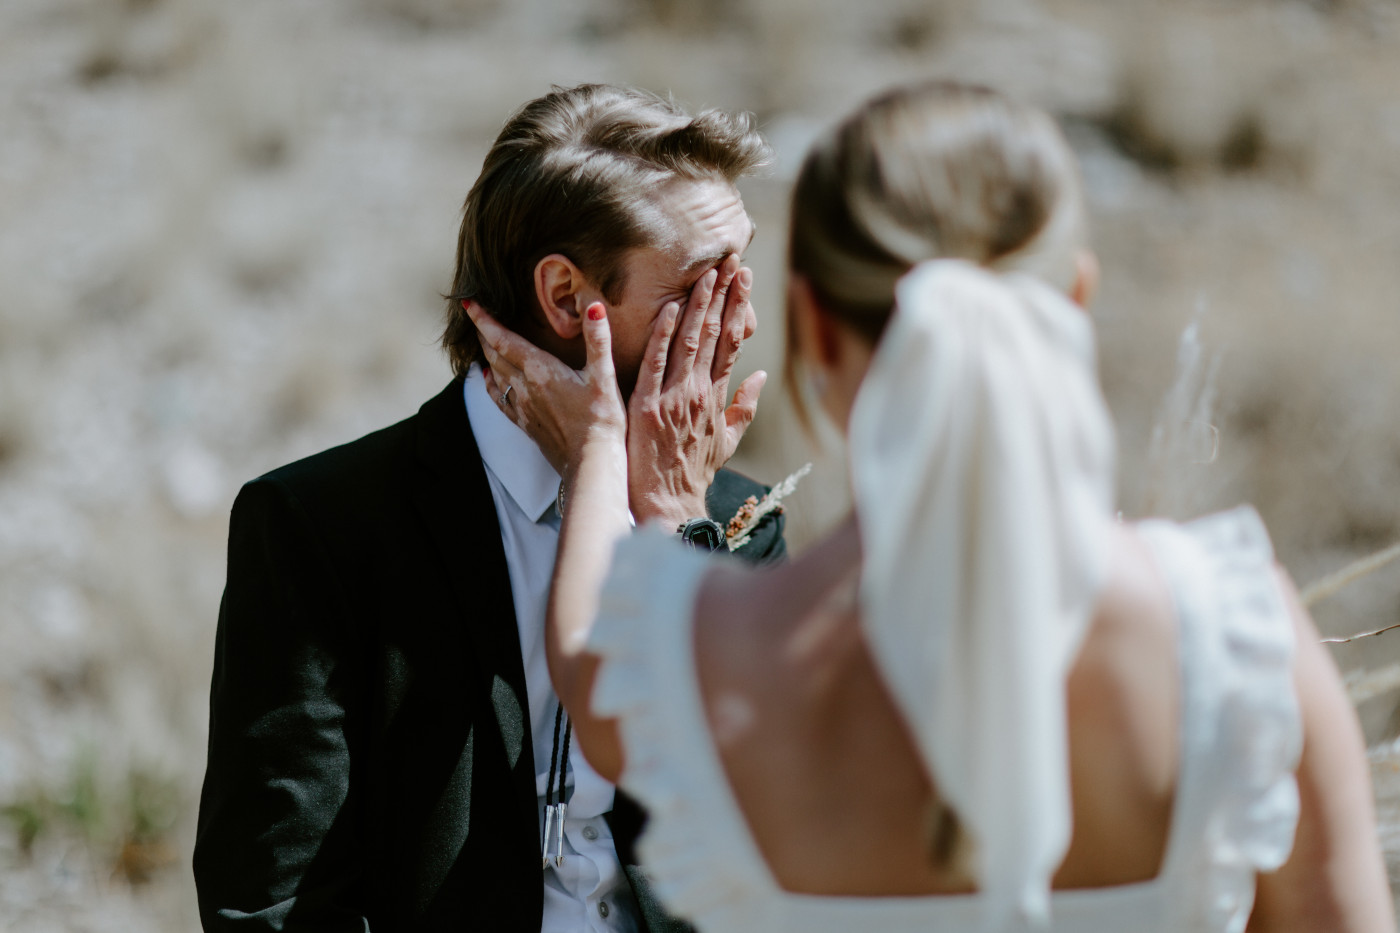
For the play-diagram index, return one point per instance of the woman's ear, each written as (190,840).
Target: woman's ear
(815,329)
(1086,278)
(558,283)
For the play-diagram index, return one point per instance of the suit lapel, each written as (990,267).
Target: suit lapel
(454,500)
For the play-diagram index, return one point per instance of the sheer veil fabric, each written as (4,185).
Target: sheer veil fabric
(982,461)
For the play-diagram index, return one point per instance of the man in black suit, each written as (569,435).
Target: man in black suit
(383,734)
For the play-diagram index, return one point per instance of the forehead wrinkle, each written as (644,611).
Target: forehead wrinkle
(701,204)
(693,232)
(709,256)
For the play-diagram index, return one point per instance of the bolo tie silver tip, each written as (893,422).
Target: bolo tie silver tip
(559,838)
(548,831)
(553,826)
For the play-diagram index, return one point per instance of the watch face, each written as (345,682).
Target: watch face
(703,533)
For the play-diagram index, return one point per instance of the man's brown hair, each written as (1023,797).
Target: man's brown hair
(575,172)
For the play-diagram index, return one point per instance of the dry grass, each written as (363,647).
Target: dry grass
(225,226)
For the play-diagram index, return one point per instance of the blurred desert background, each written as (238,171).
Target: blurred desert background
(224,228)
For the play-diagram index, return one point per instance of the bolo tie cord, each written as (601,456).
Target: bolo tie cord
(554,809)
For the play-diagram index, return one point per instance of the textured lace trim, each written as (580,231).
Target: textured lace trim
(696,847)
(1243,803)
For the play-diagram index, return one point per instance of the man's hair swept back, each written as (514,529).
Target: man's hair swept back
(575,172)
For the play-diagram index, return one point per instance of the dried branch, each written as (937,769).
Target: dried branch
(750,514)
(1334,582)
(1343,641)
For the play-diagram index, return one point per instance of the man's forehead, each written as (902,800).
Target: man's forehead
(705,220)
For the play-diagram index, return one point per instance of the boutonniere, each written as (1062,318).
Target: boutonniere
(741,527)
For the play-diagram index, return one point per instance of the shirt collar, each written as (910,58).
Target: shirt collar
(508,451)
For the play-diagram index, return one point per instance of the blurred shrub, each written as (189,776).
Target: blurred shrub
(126,823)
(439,14)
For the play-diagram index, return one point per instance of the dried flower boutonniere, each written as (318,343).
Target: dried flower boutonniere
(741,527)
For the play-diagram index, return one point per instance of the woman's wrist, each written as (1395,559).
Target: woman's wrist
(596,475)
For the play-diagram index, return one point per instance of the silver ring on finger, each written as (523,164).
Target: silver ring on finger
(505,396)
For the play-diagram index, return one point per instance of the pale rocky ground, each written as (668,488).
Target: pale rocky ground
(224,227)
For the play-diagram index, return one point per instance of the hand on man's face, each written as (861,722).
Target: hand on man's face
(680,427)
(675,335)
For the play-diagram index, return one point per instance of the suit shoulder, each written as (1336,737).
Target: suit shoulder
(730,488)
(354,478)
(363,457)
(362,454)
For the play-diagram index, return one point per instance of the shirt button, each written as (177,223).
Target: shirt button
(603,908)
(590,834)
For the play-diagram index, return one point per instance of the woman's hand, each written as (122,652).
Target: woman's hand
(562,409)
(681,429)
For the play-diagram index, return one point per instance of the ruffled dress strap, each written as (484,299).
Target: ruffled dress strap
(696,849)
(1241,732)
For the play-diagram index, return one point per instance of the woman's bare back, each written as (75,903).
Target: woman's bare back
(828,777)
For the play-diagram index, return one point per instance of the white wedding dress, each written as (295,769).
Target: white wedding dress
(1236,800)
(981,458)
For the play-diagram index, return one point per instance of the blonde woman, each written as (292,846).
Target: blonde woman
(982,702)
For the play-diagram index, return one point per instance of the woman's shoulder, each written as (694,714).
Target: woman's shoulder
(1208,593)
(1220,566)
(1130,647)
(1232,544)
(1185,684)
(1136,590)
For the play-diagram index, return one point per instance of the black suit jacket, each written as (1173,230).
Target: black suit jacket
(369,747)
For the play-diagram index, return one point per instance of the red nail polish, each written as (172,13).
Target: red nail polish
(596,313)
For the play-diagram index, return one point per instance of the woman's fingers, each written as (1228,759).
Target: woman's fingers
(493,386)
(712,331)
(597,343)
(606,409)
(688,335)
(488,348)
(505,393)
(736,327)
(500,343)
(504,377)
(487,327)
(558,407)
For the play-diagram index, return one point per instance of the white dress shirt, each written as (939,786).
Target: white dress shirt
(589,890)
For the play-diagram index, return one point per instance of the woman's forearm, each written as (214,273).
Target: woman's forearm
(577,418)
(595,518)
(1335,877)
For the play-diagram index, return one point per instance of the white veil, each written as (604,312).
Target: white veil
(982,465)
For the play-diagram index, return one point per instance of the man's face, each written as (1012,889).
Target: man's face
(707,223)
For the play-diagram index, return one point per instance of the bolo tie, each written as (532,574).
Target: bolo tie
(554,805)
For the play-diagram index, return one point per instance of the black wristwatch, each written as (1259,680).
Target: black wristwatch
(703,534)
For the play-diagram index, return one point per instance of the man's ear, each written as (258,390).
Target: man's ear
(1086,278)
(558,283)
